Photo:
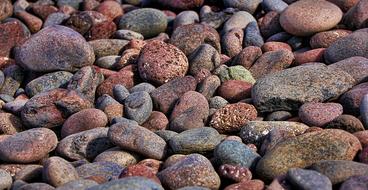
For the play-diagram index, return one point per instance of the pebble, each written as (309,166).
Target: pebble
(314,55)
(100,171)
(204,57)
(252,35)
(235,153)
(160,62)
(14,76)
(36,186)
(156,121)
(120,93)
(129,183)
(84,120)
(110,107)
(11,35)
(196,166)
(271,62)
(181,4)
(106,47)
(57,171)
(232,42)
(235,90)
(217,102)
(247,56)
(270,24)
(339,171)
(10,124)
(308,179)
(235,173)
(33,23)
(308,83)
(325,39)
(364,110)
(34,53)
(73,3)
(209,86)
(128,35)
(146,87)
(110,9)
(239,19)
(84,145)
(77,184)
(362,136)
(304,18)
(186,17)
(123,77)
(108,62)
(357,182)
(5,180)
(319,114)
(138,106)
(274,46)
(279,116)
(28,146)
(247,185)
(232,117)
(189,37)
(118,156)
(6,8)
(234,73)
(355,66)
(139,170)
(355,17)
(363,155)
(308,146)
(243,5)
(47,82)
(126,135)
(30,173)
(147,21)
(345,122)
(274,5)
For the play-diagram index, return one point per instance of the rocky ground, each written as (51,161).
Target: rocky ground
(184,94)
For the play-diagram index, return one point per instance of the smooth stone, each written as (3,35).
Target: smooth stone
(166,134)
(120,93)
(247,56)
(304,150)
(243,5)
(195,165)
(138,183)
(217,102)
(234,90)
(252,35)
(10,124)
(204,57)
(55,19)
(186,17)
(319,114)
(308,179)
(146,21)
(200,140)
(6,8)
(325,39)
(128,35)
(274,5)
(105,170)
(307,17)
(126,137)
(287,90)
(270,24)
(344,5)
(235,153)
(146,87)
(339,171)
(232,42)
(355,182)
(351,100)
(72,51)
(126,78)
(57,171)
(14,76)
(364,110)
(156,121)
(77,185)
(356,16)
(254,132)
(73,3)
(356,66)
(5,180)
(118,156)
(28,146)
(209,86)
(84,145)
(112,108)
(47,82)
(29,173)
(278,116)
(36,186)
(181,4)
(11,34)
(240,20)
(138,106)
(348,123)
(107,62)
(237,72)
(106,47)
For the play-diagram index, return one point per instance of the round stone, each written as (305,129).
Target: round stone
(319,114)
(160,62)
(100,170)
(5,180)
(234,90)
(138,106)
(308,179)
(57,171)
(325,39)
(146,21)
(181,4)
(348,123)
(307,17)
(118,156)
(243,5)
(156,121)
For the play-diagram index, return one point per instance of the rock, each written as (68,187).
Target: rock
(271,62)
(325,39)
(308,179)
(186,17)
(5,180)
(110,9)
(239,19)
(232,42)
(200,140)
(100,170)
(270,24)
(357,182)
(140,170)
(118,156)
(160,62)
(146,87)
(28,146)
(235,153)
(120,93)
(274,5)
(138,106)
(235,173)
(289,89)
(36,186)
(351,45)
(84,120)
(308,17)
(78,184)
(232,117)
(72,103)
(339,171)
(191,111)
(348,123)
(128,35)
(319,114)
(204,57)
(165,96)
(123,77)
(71,51)
(11,35)
(10,124)
(129,183)
(126,135)
(84,145)
(14,76)
(146,21)
(6,8)
(356,16)
(181,4)
(209,86)
(108,62)
(305,149)
(43,11)
(278,116)
(33,23)
(217,102)
(195,165)
(189,37)
(274,46)
(234,90)
(29,173)
(156,121)
(247,56)
(355,66)
(110,107)
(362,136)
(214,18)
(73,3)
(55,19)
(58,171)
(314,55)
(351,100)
(48,82)
(250,184)
(364,110)
(106,47)
(252,35)
(344,5)
(243,5)
(234,73)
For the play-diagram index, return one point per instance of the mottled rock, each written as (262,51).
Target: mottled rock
(103,170)
(5,180)
(78,184)
(270,24)
(11,35)
(308,179)
(348,123)
(235,173)
(138,106)
(351,100)
(356,16)
(232,42)
(325,39)
(234,90)
(355,182)
(252,35)
(243,5)
(58,171)
(204,57)
(355,66)
(48,82)
(106,47)
(129,183)
(110,107)
(319,114)
(247,56)
(118,156)
(10,124)
(123,77)
(364,110)
(238,20)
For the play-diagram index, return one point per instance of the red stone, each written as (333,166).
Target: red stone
(11,35)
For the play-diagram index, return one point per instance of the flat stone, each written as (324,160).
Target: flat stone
(308,179)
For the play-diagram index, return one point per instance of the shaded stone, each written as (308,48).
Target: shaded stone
(118,156)
(355,182)
(106,47)
(11,35)
(58,171)
(356,66)
(78,184)
(348,123)
(239,19)
(138,106)
(319,114)
(10,124)
(129,183)
(232,42)
(247,56)
(325,39)
(105,170)
(204,57)
(235,172)
(48,82)
(356,16)
(352,99)
(308,179)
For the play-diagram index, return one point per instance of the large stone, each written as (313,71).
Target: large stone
(287,90)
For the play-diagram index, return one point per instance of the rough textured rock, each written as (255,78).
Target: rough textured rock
(319,114)
(129,183)
(48,82)
(58,171)
(308,179)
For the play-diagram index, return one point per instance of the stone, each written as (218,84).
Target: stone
(252,35)
(156,121)
(217,102)
(140,170)
(247,56)
(356,16)
(129,183)
(118,156)
(234,73)
(364,110)
(10,124)
(128,35)
(362,136)
(356,66)
(11,35)
(5,180)
(270,24)
(274,5)
(314,55)
(243,5)
(189,37)
(146,87)
(29,173)
(84,145)
(319,114)
(351,100)
(289,89)
(58,171)
(232,42)
(344,5)
(127,135)
(72,103)
(47,82)
(78,184)
(308,179)
(248,185)
(325,39)
(235,153)
(28,146)
(100,171)
(274,46)
(239,19)
(106,47)
(160,62)
(138,106)
(73,3)
(235,173)
(6,8)
(14,76)
(110,107)
(120,93)
(186,17)
(279,116)
(209,86)
(204,57)
(234,90)
(55,19)
(357,182)
(232,117)
(304,150)
(146,21)
(110,9)
(195,165)
(304,18)
(36,186)
(70,53)
(33,23)
(124,77)
(84,120)
(108,62)
(348,123)
(339,171)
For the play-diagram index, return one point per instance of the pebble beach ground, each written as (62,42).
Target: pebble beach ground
(184,94)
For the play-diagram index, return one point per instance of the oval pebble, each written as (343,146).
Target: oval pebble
(57,171)
(138,106)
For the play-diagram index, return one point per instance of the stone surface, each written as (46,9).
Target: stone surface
(58,171)
(129,183)
(11,35)
(47,82)
(238,20)
(235,90)
(355,66)
(325,39)
(289,89)
(118,156)
(5,180)
(351,100)
(235,172)
(10,124)
(138,106)
(308,179)
(319,114)
(204,57)
(346,122)
(100,171)
(364,110)
(78,184)
(243,5)
(355,182)
(356,16)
